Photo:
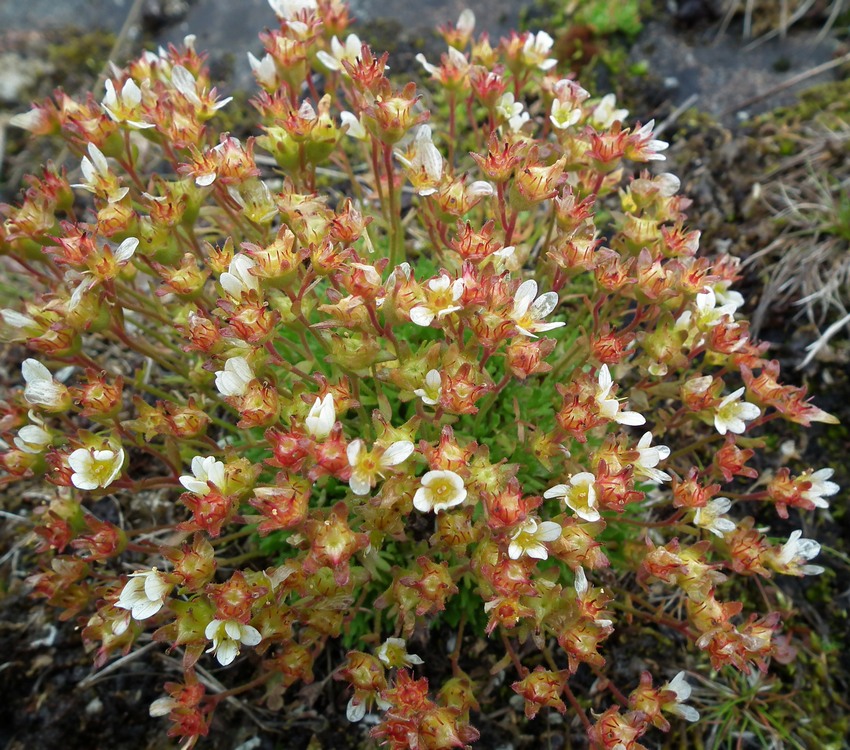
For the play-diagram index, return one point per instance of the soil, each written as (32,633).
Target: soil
(49,696)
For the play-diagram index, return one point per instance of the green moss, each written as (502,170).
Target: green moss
(827,103)
(78,57)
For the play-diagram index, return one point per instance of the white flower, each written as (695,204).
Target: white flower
(356,708)
(648,148)
(162,706)
(426,162)
(668,186)
(529,536)
(682,689)
(563,114)
(95,468)
(726,296)
(795,553)
(516,122)
(527,312)
(35,120)
(710,517)
(605,113)
(321,417)
(204,471)
(33,438)
(536,49)
(580,583)
(144,594)
(125,251)
(227,636)
(96,175)
(121,107)
(233,380)
(393,653)
(288,9)
(645,466)
(821,488)
(440,490)
(581,586)
(441,302)
(365,467)
(466,21)
(355,127)
(349,51)
(264,70)
(731,414)
(708,314)
(433,389)
(41,389)
(579,495)
(511,110)
(609,408)
(238,280)
(15,319)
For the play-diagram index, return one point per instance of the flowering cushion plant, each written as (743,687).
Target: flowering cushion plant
(353,405)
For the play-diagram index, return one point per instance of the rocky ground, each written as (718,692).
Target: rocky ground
(705,87)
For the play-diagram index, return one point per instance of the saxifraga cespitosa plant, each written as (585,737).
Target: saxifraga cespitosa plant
(524,399)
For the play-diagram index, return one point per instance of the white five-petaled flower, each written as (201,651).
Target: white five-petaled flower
(321,417)
(682,689)
(440,490)
(710,517)
(442,299)
(187,85)
(144,594)
(529,537)
(97,177)
(649,458)
(536,49)
(227,636)
(454,62)
(433,389)
(605,114)
(233,380)
(528,312)
(647,148)
(124,106)
(238,280)
(579,495)
(795,554)
(731,414)
(349,51)
(512,111)
(205,471)
(708,314)
(564,114)
(41,389)
(609,408)
(367,465)
(425,162)
(821,486)
(393,653)
(95,468)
